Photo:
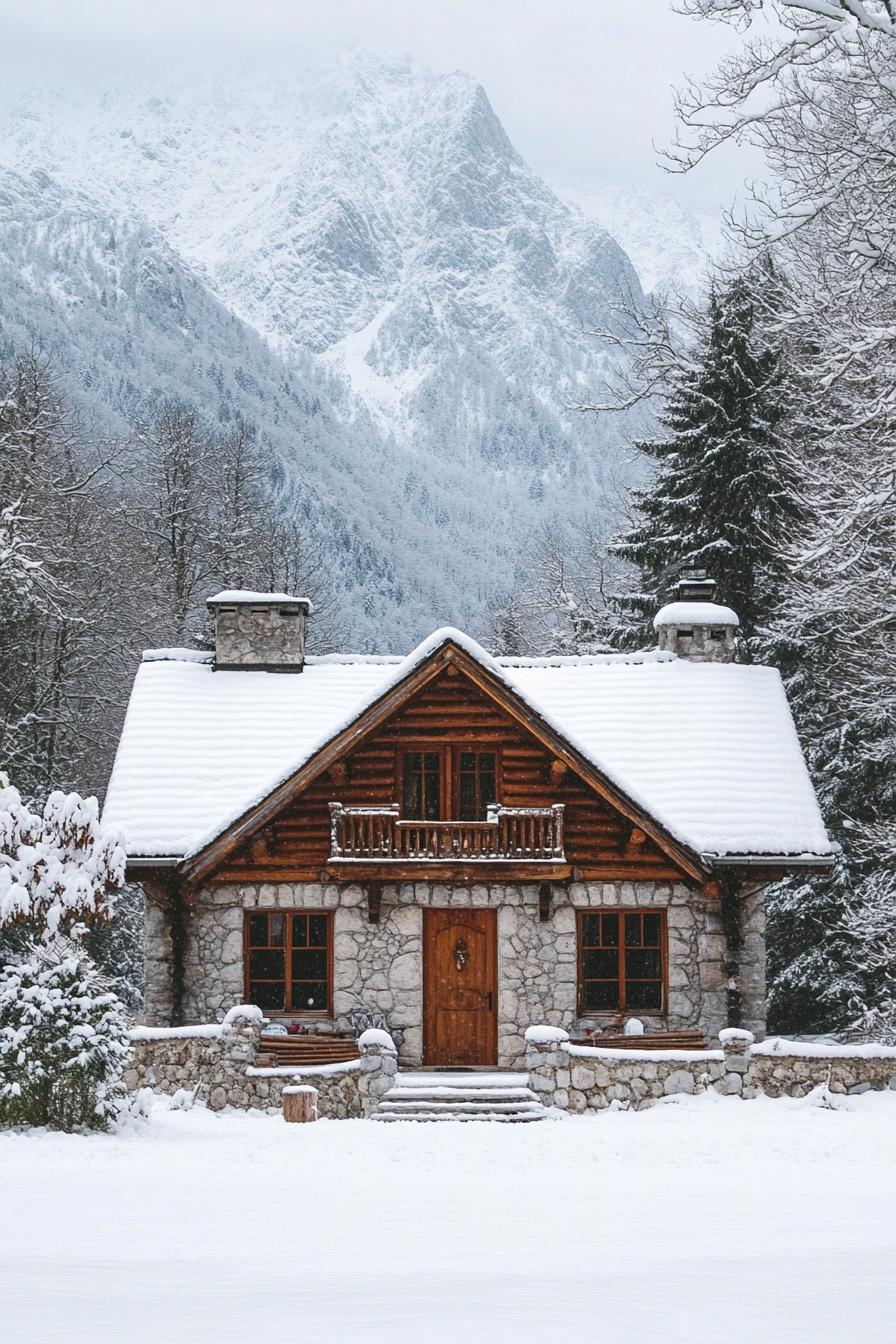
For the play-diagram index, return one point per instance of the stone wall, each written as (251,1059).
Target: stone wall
(380,966)
(581,1078)
(217,1063)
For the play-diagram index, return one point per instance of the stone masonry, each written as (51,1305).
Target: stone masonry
(217,1063)
(582,1079)
(379,967)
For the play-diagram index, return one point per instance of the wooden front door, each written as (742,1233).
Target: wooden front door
(460,1021)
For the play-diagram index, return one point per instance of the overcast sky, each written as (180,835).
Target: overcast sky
(583,87)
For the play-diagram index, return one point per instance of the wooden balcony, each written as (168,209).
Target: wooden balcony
(528,839)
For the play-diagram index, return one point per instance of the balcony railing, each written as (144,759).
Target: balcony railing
(508,834)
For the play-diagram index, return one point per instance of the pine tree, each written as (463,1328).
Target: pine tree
(725,491)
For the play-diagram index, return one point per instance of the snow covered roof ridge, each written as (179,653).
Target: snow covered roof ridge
(708,751)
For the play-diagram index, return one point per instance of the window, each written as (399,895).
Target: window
(621,961)
(477,784)
(422,786)
(288,961)
(448,785)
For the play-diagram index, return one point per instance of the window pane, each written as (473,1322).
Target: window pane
(411,805)
(610,929)
(308,996)
(431,762)
(300,930)
(652,926)
(488,790)
(469,808)
(413,760)
(644,994)
(258,931)
(317,930)
(468,760)
(599,995)
(643,965)
(600,965)
(309,965)
(591,930)
(633,930)
(277,930)
(269,995)
(431,784)
(266,965)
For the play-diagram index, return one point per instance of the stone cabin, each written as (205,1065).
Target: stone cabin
(455,846)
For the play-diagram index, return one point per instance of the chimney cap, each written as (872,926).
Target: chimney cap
(694,585)
(234,597)
(695,613)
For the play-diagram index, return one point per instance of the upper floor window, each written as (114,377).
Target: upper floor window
(422,786)
(477,784)
(448,785)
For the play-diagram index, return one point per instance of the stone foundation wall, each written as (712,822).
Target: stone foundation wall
(380,966)
(581,1079)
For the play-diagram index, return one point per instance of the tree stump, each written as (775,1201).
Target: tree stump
(300,1104)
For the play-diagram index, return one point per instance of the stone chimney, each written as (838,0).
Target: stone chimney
(259,632)
(693,626)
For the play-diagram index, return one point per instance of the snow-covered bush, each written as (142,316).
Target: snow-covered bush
(59,868)
(63,1041)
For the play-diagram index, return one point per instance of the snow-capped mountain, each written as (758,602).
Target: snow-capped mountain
(354,253)
(671,247)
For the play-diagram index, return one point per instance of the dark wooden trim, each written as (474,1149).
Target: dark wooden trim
(544,901)
(432,870)
(312,1014)
(374,901)
(342,743)
(622,911)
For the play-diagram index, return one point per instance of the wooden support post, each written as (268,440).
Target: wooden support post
(300,1104)
(374,899)
(544,901)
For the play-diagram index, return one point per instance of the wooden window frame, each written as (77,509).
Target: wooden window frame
(312,1014)
(623,1009)
(449,771)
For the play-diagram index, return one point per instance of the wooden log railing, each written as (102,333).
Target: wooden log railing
(508,833)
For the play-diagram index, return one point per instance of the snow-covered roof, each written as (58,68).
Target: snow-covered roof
(709,750)
(235,596)
(695,613)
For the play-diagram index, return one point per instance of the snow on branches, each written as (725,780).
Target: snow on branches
(59,869)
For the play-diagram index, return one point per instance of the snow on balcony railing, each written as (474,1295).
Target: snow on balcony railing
(508,834)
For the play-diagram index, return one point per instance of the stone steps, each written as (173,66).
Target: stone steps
(433,1097)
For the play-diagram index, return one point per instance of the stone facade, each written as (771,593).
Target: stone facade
(580,1079)
(379,967)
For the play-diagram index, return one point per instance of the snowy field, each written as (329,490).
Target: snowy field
(700,1220)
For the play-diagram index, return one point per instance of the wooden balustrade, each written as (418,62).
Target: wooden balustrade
(508,833)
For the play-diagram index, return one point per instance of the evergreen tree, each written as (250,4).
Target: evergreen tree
(725,492)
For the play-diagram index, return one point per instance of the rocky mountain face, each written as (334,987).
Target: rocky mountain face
(353,255)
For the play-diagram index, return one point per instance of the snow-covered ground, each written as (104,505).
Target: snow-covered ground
(699,1220)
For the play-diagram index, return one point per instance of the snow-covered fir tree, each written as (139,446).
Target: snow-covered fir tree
(725,492)
(63,1029)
